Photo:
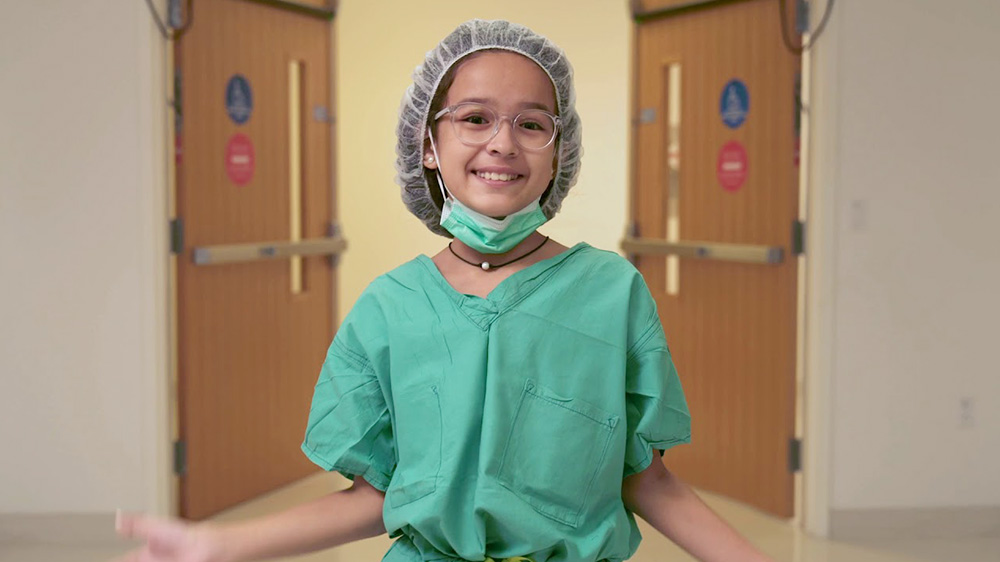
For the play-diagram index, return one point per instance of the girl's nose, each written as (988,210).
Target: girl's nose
(503,143)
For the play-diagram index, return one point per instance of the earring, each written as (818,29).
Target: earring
(429,158)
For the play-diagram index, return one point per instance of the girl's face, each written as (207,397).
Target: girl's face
(497,178)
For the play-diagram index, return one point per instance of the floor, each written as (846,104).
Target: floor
(780,540)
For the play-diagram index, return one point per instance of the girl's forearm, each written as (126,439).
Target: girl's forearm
(335,519)
(672,508)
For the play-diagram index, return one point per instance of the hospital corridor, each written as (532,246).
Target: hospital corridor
(491,260)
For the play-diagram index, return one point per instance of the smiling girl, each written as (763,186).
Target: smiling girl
(509,397)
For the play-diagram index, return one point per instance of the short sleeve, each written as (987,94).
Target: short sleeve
(656,409)
(349,428)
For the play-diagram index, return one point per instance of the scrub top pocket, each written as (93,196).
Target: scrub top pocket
(554,452)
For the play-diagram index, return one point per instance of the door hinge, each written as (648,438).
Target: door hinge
(801,17)
(333,231)
(798,238)
(180,458)
(794,454)
(322,114)
(177,236)
(175,17)
(632,231)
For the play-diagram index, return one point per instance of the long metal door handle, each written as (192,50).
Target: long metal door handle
(743,253)
(236,253)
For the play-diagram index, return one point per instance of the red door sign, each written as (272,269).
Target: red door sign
(239,159)
(732,166)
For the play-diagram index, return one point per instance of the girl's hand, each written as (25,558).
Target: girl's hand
(672,508)
(324,522)
(169,540)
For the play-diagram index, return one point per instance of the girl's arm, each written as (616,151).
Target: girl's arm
(672,508)
(335,519)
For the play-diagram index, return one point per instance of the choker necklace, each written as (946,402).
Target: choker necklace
(487,265)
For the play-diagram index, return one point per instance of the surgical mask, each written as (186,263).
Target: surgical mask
(483,233)
(488,235)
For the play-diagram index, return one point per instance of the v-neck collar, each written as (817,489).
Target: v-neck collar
(509,291)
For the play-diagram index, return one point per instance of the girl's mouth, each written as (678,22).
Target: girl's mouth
(493,176)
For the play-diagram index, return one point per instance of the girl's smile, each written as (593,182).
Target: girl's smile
(498,176)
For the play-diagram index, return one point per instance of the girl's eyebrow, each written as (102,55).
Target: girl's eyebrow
(493,103)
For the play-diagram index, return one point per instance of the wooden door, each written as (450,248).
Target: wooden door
(253,185)
(714,200)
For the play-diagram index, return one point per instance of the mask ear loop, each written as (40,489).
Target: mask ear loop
(437,171)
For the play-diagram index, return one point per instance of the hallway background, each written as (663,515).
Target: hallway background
(902,240)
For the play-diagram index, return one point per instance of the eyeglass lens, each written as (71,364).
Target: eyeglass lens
(477,124)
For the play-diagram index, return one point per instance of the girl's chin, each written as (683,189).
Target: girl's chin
(493,211)
(494,207)
(493,204)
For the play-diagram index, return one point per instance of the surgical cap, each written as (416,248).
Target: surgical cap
(470,37)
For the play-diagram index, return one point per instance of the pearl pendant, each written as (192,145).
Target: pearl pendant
(485,265)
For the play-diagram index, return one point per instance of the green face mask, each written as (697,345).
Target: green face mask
(488,235)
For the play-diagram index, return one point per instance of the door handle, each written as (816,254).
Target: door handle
(743,253)
(257,251)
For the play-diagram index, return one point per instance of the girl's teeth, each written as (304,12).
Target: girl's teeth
(496,177)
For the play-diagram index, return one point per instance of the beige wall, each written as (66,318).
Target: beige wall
(380,43)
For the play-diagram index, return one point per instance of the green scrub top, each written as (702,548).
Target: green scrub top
(501,426)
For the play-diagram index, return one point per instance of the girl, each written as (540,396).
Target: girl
(507,398)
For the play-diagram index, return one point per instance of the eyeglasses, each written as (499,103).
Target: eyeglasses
(476,124)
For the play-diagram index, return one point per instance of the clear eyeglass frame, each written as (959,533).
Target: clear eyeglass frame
(496,119)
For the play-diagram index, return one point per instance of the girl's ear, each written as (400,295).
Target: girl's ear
(430,162)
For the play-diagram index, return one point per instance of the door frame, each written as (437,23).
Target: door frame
(158,494)
(816,286)
(819,173)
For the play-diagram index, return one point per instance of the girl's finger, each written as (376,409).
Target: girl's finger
(131,556)
(150,529)
(123,523)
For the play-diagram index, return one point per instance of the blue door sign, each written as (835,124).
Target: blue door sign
(735,103)
(239,99)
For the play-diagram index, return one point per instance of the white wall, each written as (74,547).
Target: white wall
(81,239)
(911,170)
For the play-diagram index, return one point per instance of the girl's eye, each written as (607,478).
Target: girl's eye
(473,116)
(476,120)
(533,126)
